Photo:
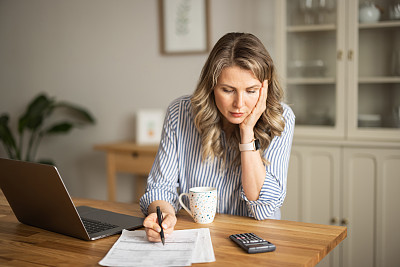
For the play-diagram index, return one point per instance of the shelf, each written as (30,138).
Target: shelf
(312,28)
(380,24)
(299,81)
(388,79)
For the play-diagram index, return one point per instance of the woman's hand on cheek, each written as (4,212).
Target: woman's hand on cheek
(250,121)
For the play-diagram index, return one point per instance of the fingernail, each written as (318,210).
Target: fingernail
(165,226)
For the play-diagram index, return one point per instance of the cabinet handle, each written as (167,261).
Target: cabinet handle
(334,220)
(339,54)
(345,221)
(350,55)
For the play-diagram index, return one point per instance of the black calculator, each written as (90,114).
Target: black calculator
(252,243)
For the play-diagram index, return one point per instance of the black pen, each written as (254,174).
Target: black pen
(160,219)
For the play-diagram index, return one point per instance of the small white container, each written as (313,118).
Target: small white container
(369,13)
(309,68)
(369,120)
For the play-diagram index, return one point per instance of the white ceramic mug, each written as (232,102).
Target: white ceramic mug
(203,203)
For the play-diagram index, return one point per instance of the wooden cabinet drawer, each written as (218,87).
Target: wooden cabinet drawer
(138,163)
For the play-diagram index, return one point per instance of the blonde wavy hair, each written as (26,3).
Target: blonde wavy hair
(247,52)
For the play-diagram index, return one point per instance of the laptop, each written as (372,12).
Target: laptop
(38,197)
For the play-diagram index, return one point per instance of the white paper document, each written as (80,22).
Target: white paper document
(182,248)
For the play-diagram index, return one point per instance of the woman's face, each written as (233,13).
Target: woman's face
(236,94)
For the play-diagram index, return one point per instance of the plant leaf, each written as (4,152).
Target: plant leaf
(59,128)
(38,109)
(79,112)
(7,137)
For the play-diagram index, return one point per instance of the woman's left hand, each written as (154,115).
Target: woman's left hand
(250,121)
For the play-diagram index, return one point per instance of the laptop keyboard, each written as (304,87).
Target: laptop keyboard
(93,226)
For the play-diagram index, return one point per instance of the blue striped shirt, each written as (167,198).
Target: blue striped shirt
(178,165)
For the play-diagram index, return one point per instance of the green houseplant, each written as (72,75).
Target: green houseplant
(38,121)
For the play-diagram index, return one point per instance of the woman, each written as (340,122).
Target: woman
(238,100)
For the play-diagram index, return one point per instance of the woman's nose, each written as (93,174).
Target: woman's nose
(238,101)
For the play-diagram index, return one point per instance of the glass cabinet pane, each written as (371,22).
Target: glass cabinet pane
(379,105)
(379,65)
(311,61)
(311,54)
(378,51)
(313,104)
(311,12)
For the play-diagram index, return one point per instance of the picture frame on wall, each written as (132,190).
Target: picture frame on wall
(149,123)
(184,26)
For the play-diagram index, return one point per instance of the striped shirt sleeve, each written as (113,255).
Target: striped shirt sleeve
(163,178)
(273,191)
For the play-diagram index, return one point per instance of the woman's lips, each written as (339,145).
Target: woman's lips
(236,114)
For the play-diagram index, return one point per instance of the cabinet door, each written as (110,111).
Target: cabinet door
(313,189)
(312,185)
(370,207)
(292,207)
(373,58)
(388,215)
(310,50)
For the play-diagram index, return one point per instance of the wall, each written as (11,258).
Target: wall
(103,55)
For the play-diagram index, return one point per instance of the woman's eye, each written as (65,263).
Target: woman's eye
(251,91)
(225,90)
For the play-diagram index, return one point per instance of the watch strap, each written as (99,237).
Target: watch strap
(252,146)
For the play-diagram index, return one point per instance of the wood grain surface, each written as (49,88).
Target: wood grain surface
(297,244)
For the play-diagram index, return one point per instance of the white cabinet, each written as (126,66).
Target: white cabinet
(351,185)
(371,199)
(342,80)
(342,77)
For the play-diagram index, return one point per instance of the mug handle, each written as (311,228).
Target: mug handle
(183,205)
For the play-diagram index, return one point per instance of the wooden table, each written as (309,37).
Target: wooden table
(128,157)
(297,244)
